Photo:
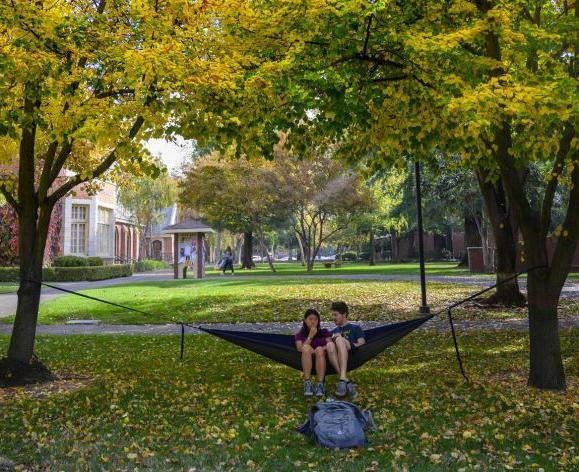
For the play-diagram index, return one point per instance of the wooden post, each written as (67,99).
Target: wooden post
(175,255)
(199,255)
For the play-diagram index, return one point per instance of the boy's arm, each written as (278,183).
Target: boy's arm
(361,338)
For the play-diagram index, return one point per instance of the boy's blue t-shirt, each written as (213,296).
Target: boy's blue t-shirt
(352,332)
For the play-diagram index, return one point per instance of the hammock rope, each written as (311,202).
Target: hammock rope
(281,347)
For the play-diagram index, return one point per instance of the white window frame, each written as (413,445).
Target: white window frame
(75,223)
(104,232)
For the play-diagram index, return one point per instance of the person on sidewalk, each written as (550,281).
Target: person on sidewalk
(346,337)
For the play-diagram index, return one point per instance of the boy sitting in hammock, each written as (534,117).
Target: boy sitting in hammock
(346,336)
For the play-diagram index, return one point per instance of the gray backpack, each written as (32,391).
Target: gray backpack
(337,424)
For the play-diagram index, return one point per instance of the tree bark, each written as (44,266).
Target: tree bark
(217,251)
(546,366)
(247,254)
(471,237)
(267,255)
(31,244)
(496,206)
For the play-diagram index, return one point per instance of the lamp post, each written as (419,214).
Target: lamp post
(424,308)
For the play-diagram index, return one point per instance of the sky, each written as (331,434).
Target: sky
(172,153)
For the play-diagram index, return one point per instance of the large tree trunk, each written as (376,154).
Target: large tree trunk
(247,255)
(31,243)
(495,201)
(546,366)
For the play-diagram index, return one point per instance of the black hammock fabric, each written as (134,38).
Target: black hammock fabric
(281,347)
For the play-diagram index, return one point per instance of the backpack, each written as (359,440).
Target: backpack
(337,424)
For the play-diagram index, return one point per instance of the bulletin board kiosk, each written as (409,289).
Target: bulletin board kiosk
(188,248)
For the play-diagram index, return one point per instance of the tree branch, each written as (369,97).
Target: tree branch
(9,198)
(564,146)
(99,170)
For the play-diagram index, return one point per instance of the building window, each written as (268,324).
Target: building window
(79,229)
(104,232)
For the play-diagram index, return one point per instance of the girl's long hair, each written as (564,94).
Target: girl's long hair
(305,329)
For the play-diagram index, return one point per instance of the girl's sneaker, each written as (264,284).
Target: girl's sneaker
(320,389)
(308,388)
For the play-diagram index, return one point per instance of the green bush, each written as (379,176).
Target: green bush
(90,273)
(70,261)
(72,274)
(147,265)
(94,261)
(9,274)
(349,256)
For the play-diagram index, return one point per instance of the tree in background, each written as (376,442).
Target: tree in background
(329,199)
(146,199)
(248,197)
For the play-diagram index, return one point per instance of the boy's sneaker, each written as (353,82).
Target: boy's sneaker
(320,389)
(308,388)
(341,388)
(350,390)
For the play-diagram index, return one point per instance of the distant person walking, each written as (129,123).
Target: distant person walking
(228,261)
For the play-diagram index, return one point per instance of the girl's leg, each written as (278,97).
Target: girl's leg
(307,362)
(320,353)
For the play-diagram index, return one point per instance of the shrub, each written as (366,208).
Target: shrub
(70,261)
(349,256)
(71,274)
(9,274)
(90,273)
(94,261)
(364,256)
(147,265)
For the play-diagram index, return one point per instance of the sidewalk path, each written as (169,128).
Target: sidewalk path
(8,300)
(436,324)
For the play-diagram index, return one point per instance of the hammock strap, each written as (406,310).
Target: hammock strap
(456,349)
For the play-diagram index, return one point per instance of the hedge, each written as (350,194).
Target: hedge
(72,274)
(147,265)
(77,261)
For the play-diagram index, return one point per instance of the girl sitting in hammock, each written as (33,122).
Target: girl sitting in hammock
(311,341)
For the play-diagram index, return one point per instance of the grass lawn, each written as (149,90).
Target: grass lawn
(265,299)
(8,288)
(405,268)
(225,408)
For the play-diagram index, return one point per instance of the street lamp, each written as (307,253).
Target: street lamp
(424,306)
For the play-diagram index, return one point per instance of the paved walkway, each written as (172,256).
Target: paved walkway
(8,300)
(436,324)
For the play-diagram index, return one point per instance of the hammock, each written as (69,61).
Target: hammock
(281,347)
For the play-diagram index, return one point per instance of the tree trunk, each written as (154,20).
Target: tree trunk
(471,237)
(372,260)
(302,251)
(31,244)
(290,249)
(247,255)
(546,367)
(217,251)
(267,255)
(494,198)
(394,247)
